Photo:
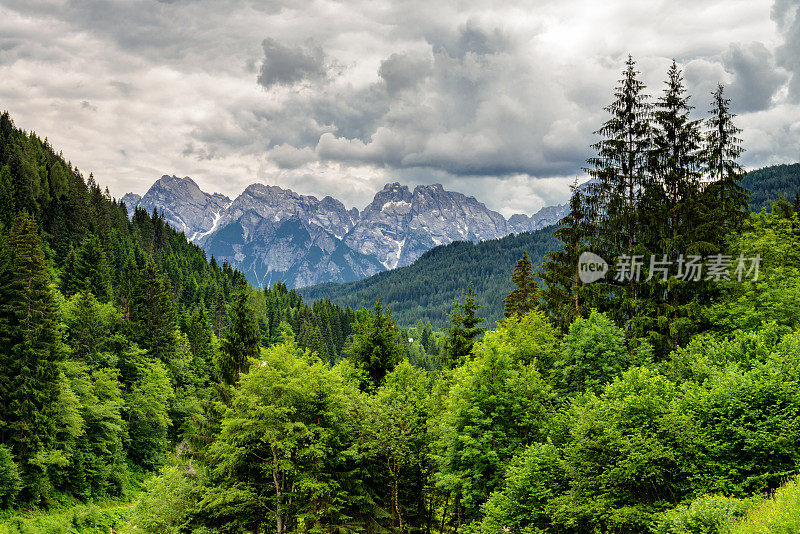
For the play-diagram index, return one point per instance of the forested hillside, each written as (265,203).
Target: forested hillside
(770,183)
(112,331)
(657,399)
(426,289)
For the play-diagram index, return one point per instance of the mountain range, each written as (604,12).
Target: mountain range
(273,234)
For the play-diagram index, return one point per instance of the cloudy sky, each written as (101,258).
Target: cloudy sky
(494,99)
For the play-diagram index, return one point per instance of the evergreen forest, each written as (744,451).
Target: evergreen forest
(147,389)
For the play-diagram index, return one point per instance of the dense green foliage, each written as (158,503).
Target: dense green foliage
(427,288)
(770,183)
(115,332)
(781,513)
(464,329)
(666,188)
(255,412)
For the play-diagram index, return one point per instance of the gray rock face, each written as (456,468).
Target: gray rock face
(277,204)
(131,200)
(546,216)
(274,235)
(185,206)
(399,226)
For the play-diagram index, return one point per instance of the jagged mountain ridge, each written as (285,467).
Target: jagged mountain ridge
(184,205)
(276,235)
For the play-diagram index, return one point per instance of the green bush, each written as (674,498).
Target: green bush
(779,515)
(10,481)
(705,515)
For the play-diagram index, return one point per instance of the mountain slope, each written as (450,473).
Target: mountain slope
(766,185)
(398,226)
(426,289)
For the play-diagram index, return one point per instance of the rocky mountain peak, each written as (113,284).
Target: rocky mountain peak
(275,234)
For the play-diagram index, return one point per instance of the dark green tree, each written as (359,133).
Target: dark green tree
(153,313)
(87,332)
(91,268)
(725,197)
(464,329)
(375,344)
(202,342)
(29,378)
(240,343)
(525,296)
(676,163)
(562,286)
(619,170)
(10,481)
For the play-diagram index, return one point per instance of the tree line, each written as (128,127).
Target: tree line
(605,407)
(115,331)
(664,185)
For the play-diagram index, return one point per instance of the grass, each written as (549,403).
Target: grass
(78,519)
(778,515)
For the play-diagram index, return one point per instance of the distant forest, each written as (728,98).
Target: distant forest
(768,184)
(427,288)
(146,390)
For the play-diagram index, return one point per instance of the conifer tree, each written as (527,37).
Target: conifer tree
(619,170)
(241,340)
(560,271)
(525,296)
(6,196)
(672,212)
(91,268)
(126,288)
(464,330)
(87,331)
(675,162)
(29,344)
(202,343)
(153,313)
(620,180)
(70,283)
(726,199)
(375,345)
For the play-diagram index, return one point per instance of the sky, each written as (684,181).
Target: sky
(498,100)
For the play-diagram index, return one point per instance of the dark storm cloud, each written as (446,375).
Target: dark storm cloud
(467,105)
(755,78)
(286,65)
(786,14)
(498,99)
(404,71)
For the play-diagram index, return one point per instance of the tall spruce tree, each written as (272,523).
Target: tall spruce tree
(375,345)
(675,162)
(525,296)
(561,294)
(620,179)
(91,268)
(725,199)
(241,340)
(464,330)
(153,317)
(672,211)
(29,350)
(619,170)
(202,343)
